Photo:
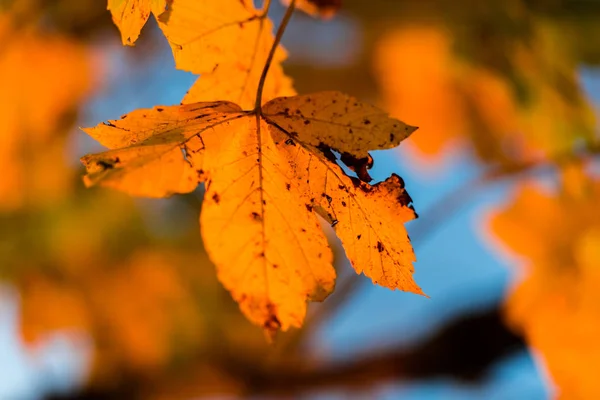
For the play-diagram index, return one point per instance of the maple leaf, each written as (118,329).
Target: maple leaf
(228,43)
(268,173)
(130,16)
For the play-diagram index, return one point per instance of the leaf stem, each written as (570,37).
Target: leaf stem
(278,36)
(265,8)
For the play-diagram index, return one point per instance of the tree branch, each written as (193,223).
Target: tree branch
(463,350)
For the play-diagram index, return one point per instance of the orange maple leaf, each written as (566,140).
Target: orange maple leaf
(268,173)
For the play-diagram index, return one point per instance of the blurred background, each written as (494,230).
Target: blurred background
(105,296)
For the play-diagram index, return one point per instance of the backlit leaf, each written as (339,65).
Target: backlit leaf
(268,175)
(227,42)
(130,16)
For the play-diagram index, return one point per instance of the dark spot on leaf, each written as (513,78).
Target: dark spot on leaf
(275,266)
(306,122)
(288,186)
(105,165)
(366,121)
(358,236)
(290,142)
(108,163)
(272,323)
(256,216)
(216,198)
(309,207)
(391,137)
(344,203)
(380,247)
(329,199)
(159,109)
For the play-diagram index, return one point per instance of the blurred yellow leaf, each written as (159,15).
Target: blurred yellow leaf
(47,306)
(558,303)
(268,173)
(136,332)
(323,8)
(415,68)
(423,78)
(36,112)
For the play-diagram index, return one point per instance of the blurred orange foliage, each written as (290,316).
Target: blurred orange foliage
(43,79)
(423,79)
(558,303)
(140,312)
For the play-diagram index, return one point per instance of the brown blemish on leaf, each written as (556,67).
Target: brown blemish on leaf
(272,323)
(106,164)
(256,216)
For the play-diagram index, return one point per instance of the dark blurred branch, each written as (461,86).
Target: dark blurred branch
(464,350)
